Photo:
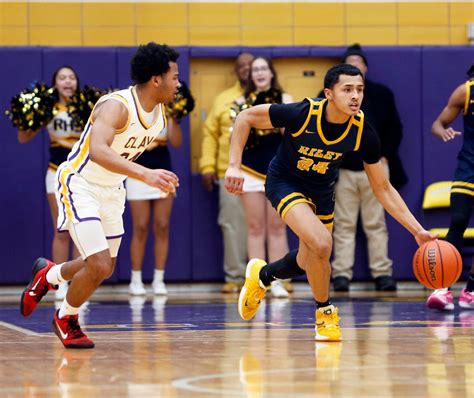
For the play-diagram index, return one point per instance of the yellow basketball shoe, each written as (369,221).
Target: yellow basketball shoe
(327,324)
(253,291)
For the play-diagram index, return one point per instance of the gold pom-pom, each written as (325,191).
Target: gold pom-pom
(32,108)
(80,105)
(182,105)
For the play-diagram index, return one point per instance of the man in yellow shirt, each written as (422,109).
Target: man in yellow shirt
(213,164)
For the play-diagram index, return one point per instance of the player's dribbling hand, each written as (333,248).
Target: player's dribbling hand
(449,134)
(162,179)
(424,236)
(234,180)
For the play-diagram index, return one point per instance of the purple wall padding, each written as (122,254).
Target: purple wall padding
(420,77)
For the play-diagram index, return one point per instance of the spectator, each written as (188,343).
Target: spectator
(213,164)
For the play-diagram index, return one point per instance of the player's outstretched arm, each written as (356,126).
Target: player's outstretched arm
(440,127)
(255,117)
(391,200)
(110,117)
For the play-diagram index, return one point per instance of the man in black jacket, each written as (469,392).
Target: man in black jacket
(353,193)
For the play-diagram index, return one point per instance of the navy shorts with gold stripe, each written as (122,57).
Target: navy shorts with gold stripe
(284,194)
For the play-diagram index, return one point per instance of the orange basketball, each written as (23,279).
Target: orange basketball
(437,264)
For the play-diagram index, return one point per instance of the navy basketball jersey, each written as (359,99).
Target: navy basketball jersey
(309,155)
(464,174)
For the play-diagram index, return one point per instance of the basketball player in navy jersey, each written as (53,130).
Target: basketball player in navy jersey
(90,190)
(462,191)
(300,185)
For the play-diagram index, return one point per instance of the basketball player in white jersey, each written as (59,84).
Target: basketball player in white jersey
(90,190)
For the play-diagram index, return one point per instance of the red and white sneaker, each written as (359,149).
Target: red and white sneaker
(69,332)
(441,299)
(38,286)
(466,300)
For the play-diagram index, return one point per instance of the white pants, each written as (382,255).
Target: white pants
(91,213)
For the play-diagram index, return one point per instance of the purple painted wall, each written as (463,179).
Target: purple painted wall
(421,78)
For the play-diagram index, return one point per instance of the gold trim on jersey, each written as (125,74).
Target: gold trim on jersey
(145,125)
(319,115)
(463,184)
(124,101)
(463,191)
(253,173)
(165,118)
(359,123)
(308,118)
(469,83)
(65,172)
(83,151)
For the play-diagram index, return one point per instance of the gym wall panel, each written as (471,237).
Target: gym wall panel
(423,14)
(54,15)
(218,36)
(13,14)
(460,14)
(109,14)
(13,36)
(264,15)
(162,14)
(256,36)
(109,36)
(56,35)
(173,36)
(371,14)
(307,36)
(212,14)
(319,15)
(408,35)
(372,35)
(22,170)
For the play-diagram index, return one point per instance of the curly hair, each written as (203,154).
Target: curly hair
(151,60)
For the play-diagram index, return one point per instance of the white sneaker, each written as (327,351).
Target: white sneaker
(278,291)
(60,294)
(136,289)
(159,288)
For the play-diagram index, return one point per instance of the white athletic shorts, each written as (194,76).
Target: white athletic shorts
(252,183)
(91,213)
(50,181)
(138,190)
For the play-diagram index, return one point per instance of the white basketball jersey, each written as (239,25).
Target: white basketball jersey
(129,142)
(61,129)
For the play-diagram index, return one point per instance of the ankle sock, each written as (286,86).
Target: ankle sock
(285,268)
(53,276)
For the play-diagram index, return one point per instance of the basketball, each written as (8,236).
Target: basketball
(437,264)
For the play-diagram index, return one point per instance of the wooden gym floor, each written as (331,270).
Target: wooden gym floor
(193,344)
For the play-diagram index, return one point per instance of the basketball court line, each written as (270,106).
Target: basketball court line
(187,383)
(20,329)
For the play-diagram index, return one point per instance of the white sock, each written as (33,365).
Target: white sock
(159,274)
(54,276)
(136,277)
(67,309)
